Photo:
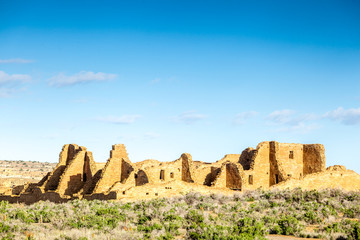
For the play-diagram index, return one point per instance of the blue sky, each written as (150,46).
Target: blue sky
(167,77)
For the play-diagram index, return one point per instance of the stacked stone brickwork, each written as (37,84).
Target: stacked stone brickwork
(271,164)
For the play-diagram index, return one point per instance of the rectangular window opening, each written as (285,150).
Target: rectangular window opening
(291,155)
(251,179)
(162,175)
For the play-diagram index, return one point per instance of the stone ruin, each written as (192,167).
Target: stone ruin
(78,176)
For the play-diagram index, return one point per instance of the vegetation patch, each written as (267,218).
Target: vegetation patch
(326,214)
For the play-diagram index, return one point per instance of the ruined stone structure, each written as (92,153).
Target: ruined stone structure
(78,176)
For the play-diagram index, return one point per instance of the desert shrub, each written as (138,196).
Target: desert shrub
(172,227)
(289,225)
(352,212)
(143,219)
(247,215)
(166,236)
(171,216)
(218,232)
(352,196)
(3,206)
(250,226)
(23,215)
(4,227)
(350,228)
(93,221)
(8,236)
(204,206)
(149,228)
(195,217)
(273,204)
(311,217)
(328,210)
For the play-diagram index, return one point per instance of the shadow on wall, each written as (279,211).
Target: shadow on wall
(141,178)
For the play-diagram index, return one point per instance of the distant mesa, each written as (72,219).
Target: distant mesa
(270,165)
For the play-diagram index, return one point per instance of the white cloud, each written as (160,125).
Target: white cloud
(124,119)
(288,117)
(242,117)
(287,121)
(11,78)
(62,80)
(16,60)
(11,83)
(189,117)
(281,116)
(345,116)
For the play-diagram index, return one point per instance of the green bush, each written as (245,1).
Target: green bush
(4,228)
(289,225)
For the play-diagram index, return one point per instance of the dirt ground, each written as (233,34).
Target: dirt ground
(14,173)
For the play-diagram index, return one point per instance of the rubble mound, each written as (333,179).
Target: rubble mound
(336,176)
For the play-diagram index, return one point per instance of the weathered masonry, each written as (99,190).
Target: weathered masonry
(77,175)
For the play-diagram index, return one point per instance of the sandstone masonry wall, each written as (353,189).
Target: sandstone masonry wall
(271,164)
(314,158)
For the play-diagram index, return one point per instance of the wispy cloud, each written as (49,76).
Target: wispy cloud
(288,120)
(346,116)
(11,78)
(62,80)
(124,119)
(16,60)
(11,83)
(189,117)
(242,117)
(281,116)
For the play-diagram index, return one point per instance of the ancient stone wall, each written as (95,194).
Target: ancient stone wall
(90,184)
(229,175)
(286,161)
(78,176)
(72,179)
(233,177)
(205,173)
(247,157)
(258,176)
(164,172)
(314,158)
(141,178)
(68,152)
(112,171)
(186,165)
(220,179)
(126,169)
